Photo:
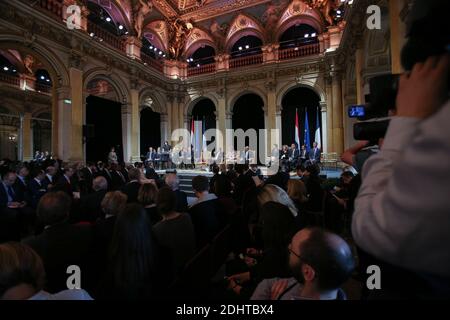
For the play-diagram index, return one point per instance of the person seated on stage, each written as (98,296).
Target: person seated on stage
(303,155)
(284,157)
(314,154)
(157,161)
(172,181)
(320,262)
(204,212)
(22,276)
(150,156)
(293,156)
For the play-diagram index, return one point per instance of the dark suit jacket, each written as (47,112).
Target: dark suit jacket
(4,196)
(90,205)
(294,154)
(36,191)
(47,181)
(63,185)
(117,182)
(107,176)
(21,190)
(182,204)
(60,246)
(88,178)
(315,155)
(131,189)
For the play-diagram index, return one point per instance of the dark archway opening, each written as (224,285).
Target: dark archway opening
(248,113)
(201,56)
(105,118)
(246,46)
(150,130)
(298,35)
(300,99)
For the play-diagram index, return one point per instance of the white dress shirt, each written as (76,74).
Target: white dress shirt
(402,212)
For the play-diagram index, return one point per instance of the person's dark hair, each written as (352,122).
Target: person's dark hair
(313,169)
(347,174)
(166,201)
(239,168)
(278,225)
(147,194)
(200,183)
(35,172)
(131,255)
(19,264)
(54,207)
(134,174)
(7,173)
(20,167)
(215,169)
(222,186)
(300,167)
(332,265)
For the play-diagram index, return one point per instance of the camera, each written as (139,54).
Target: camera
(378,103)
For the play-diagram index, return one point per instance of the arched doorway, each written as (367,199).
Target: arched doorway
(204,118)
(103,128)
(248,113)
(302,100)
(150,129)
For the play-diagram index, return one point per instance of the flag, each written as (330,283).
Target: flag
(297,129)
(307,139)
(317,134)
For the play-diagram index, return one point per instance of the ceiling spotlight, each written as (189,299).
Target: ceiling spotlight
(100,39)
(240,48)
(151,47)
(313,35)
(14,70)
(108,19)
(338,12)
(5,68)
(42,78)
(247,46)
(91,34)
(307,35)
(48,80)
(160,53)
(126,32)
(155,49)
(192,59)
(164,55)
(120,27)
(198,65)
(188,60)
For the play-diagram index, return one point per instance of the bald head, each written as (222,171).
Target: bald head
(172,181)
(99,183)
(327,254)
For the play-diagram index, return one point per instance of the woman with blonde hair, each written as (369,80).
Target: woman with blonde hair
(271,192)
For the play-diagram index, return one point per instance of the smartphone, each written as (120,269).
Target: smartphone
(356,111)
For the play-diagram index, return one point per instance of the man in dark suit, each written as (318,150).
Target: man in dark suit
(65,182)
(303,156)
(294,154)
(205,213)
(90,205)
(9,208)
(106,173)
(50,178)
(314,154)
(60,244)
(21,184)
(131,189)
(150,156)
(36,187)
(117,178)
(172,181)
(88,173)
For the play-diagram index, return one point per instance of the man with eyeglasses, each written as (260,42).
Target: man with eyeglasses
(320,262)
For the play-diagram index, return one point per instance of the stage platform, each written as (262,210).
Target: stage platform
(186,175)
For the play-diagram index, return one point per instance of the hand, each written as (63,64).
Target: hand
(347,156)
(240,277)
(425,89)
(278,288)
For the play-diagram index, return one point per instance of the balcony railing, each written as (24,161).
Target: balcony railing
(54,7)
(10,79)
(206,68)
(42,87)
(152,62)
(246,61)
(301,51)
(105,36)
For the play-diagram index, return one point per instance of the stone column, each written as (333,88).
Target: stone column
(229,131)
(164,128)
(221,124)
(133,47)
(135,125)
(126,132)
(61,123)
(222,62)
(279,126)
(324,111)
(27,137)
(271,111)
(338,131)
(398,31)
(76,90)
(329,122)
(270,53)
